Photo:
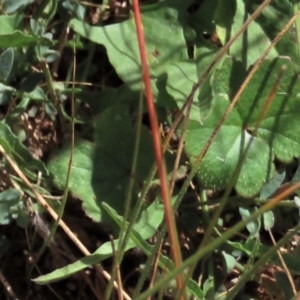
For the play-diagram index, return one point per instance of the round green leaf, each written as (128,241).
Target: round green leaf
(276,135)
(80,177)
(114,149)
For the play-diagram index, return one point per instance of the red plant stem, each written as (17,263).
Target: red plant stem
(169,216)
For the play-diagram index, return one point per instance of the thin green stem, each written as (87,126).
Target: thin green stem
(88,62)
(125,230)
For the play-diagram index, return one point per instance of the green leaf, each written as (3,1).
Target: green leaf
(51,55)
(8,24)
(12,35)
(36,27)
(114,139)
(101,173)
(38,94)
(81,174)
(120,41)
(275,136)
(229,261)
(6,63)
(272,186)
(18,39)
(181,78)
(13,5)
(223,156)
(208,286)
(269,220)
(258,36)
(9,204)
(253,226)
(252,43)
(272,19)
(223,17)
(148,223)
(19,153)
(70,269)
(166,56)
(267,191)
(50,109)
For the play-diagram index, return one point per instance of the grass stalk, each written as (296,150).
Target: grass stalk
(169,215)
